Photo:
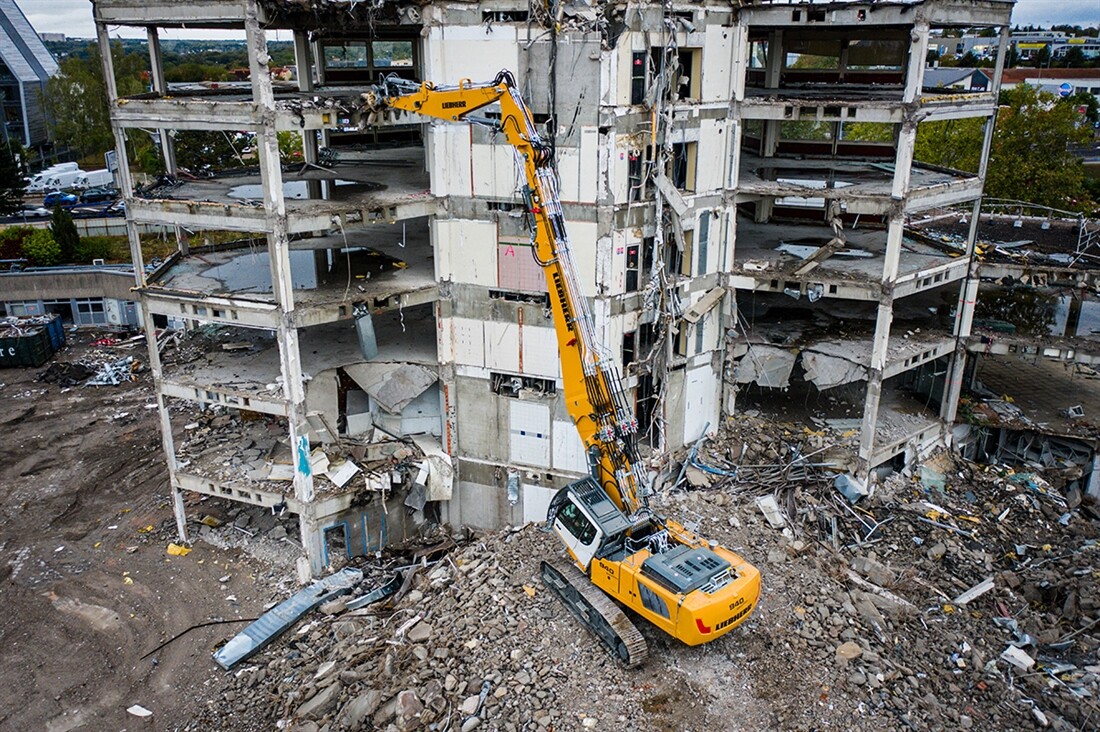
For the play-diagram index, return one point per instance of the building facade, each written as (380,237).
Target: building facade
(736,180)
(25,66)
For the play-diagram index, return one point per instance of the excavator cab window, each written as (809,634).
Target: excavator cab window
(576,523)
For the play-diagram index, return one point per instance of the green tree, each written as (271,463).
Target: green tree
(41,249)
(953,143)
(205,152)
(1030,159)
(1074,58)
(12,185)
(76,98)
(65,234)
(195,71)
(290,146)
(1083,99)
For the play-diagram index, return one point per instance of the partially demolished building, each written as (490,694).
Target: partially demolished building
(737,179)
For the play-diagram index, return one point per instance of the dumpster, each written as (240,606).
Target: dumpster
(29,341)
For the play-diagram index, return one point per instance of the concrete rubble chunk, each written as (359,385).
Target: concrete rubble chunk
(320,703)
(1018,658)
(974,592)
(770,508)
(849,650)
(356,712)
(420,632)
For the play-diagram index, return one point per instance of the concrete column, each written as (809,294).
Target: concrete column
(278,244)
(310,149)
(880,346)
(160,86)
(918,55)
(968,295)
(302,58)
(127,186)
(773,73)
(125,180)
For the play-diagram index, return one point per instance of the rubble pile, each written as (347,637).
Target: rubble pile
(961,597)
(955,597)
(93,370)
(754,455)
(237,446)
(475,641)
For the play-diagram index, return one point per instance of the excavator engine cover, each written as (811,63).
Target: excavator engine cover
(684,568)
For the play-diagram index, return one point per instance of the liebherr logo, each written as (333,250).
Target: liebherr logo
(454,105)
(559,287)
(730,621)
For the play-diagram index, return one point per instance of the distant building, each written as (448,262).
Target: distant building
(52,37)
(25,65)
(1063,82)
(966,79)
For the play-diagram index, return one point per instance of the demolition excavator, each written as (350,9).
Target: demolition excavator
(624,554)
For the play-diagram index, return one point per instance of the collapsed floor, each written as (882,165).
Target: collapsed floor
(865,620)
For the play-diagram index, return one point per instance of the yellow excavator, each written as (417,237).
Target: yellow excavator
(621,549)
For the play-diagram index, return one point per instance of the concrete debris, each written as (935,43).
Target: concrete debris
(770,508)
(766,365)
(974,592)
(1018,658)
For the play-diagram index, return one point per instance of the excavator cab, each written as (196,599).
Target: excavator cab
(586,521)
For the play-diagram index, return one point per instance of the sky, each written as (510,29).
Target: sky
(74,18)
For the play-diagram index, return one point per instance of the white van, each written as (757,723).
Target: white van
(38,181)
(93,178)
(59,181)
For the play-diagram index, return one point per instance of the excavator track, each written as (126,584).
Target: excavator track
(597,612)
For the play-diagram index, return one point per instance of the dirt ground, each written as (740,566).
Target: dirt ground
(88,588)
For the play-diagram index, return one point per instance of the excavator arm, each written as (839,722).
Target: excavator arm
(592,387)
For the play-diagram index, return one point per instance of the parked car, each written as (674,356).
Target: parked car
(59,198)
(31,211)
(102,193)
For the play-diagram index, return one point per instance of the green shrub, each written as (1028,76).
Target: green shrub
(12,239)
(95,247)
(42,249)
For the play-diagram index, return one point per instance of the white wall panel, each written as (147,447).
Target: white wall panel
(700,402)
(449,159)
(540,352)
(529,433)
(536,502)
(582,237)
(502,346)
(469,341)
(494,170)
(710,170)
(469,52)
(568,448)
(466,251)
(717,63)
